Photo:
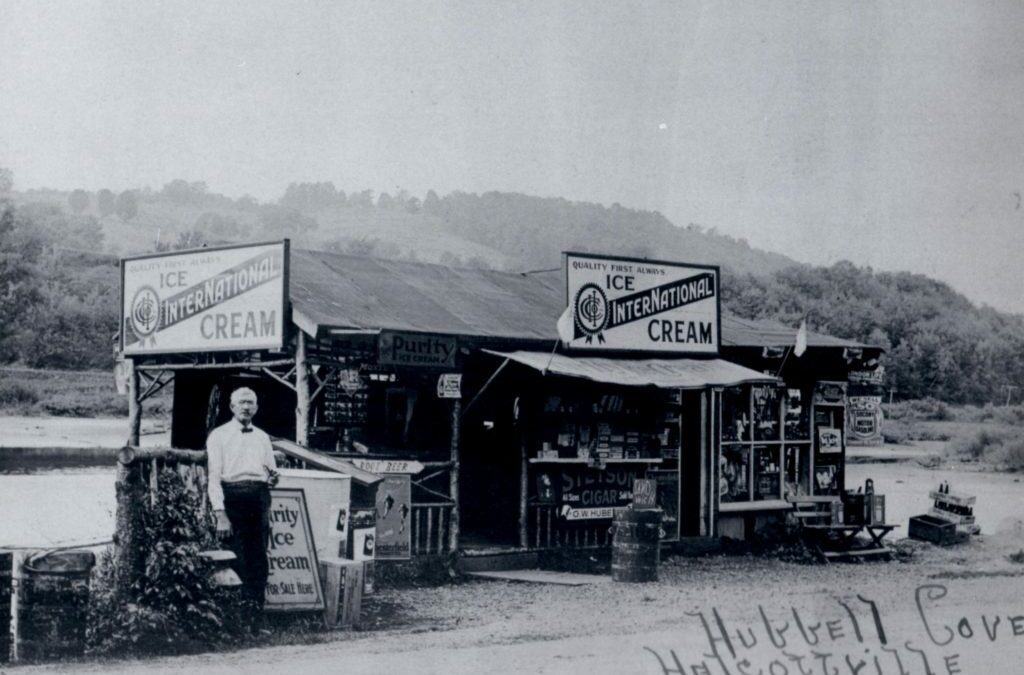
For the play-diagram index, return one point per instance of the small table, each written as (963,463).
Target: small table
(840,541)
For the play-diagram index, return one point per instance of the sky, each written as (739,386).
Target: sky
(889,134)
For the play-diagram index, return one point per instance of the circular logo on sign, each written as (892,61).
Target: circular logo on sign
(145,311)
(591,309)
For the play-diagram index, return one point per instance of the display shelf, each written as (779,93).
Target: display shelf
(582,460)
(761,505)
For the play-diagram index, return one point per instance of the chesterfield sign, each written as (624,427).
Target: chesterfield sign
(230,298)
(645,305)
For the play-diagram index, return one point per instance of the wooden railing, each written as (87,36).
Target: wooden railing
(144,466)
(141,467)
(430,528)
(547,530)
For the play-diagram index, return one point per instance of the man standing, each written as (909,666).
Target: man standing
(241,468)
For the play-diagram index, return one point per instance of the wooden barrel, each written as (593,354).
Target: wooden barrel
(53,600)
(636,545)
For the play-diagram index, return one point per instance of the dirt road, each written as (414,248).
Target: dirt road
(956,610)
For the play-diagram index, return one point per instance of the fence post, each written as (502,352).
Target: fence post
(301,391)
(134,405)
(453,529)
(130,490)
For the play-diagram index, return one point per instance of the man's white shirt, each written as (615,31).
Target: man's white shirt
(234,455)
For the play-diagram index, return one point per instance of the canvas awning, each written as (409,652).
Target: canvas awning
(664,373)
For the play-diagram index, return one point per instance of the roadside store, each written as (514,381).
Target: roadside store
(488,429)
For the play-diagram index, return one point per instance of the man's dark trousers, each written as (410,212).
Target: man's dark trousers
(247,506)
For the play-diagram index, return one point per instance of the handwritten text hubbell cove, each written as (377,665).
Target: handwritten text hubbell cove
(852,641)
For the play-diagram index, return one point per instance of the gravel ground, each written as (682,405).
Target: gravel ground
(502,627)
(515,611)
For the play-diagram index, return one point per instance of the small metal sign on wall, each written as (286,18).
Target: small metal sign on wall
(417,349)
(394,518)
(449,385)
(645,493)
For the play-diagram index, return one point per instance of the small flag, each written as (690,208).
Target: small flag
(565,326)
(801,339)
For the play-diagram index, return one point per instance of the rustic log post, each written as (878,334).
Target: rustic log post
(130,491)
(453,525)
(301,391)
(134,405)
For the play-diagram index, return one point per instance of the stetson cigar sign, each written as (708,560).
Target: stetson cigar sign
(643,305)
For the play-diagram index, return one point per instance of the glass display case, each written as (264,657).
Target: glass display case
(766,445)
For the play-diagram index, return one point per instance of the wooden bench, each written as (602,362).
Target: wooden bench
(829,539)
(813,510)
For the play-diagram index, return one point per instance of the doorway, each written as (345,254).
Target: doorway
(489,476)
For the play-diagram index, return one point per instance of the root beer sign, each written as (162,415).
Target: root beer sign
(645,305)
(230,298)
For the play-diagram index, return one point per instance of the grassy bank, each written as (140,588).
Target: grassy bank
(70,393)
(987,434)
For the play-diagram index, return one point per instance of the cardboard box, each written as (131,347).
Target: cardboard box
(343,591)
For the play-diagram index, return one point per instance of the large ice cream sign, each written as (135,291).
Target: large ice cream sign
(628,304)
(230,298)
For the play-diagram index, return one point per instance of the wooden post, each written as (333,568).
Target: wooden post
(453,526)
(705,461)
(134,405)
(715,409)
(130,493)
(301,391)
(524,540)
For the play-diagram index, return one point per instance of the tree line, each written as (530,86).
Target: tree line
(59,281)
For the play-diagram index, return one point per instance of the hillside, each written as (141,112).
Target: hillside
(498,230)
(58,271)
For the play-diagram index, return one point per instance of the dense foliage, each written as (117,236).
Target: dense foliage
(59,279)
(172,607)
(58,290)
(937,343)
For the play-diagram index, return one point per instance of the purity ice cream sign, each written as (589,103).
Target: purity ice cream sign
(629,304)
(230,298)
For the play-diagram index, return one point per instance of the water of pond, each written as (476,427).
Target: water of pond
(46,505)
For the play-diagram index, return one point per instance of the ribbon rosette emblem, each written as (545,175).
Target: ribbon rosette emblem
(145,313)
(590,311)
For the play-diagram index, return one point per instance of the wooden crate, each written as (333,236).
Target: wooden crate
(936,530)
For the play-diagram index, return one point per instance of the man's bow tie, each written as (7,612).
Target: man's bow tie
(246,430)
